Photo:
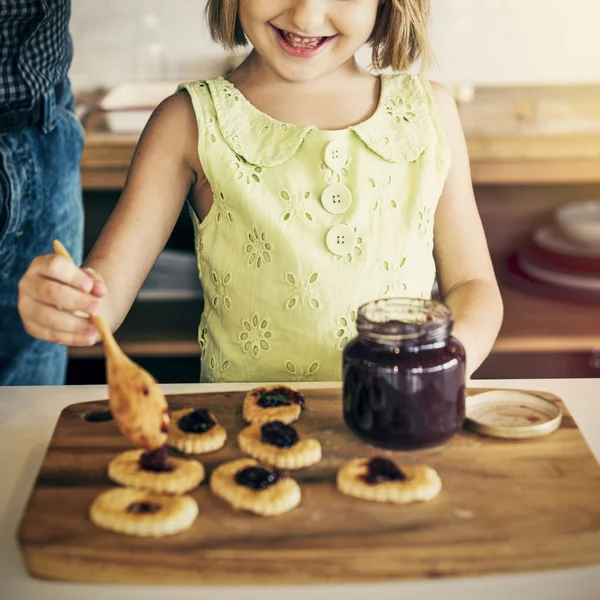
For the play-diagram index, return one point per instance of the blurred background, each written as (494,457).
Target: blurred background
(490,42)
(526,77)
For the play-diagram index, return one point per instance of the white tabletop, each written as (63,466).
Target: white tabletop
(28,417)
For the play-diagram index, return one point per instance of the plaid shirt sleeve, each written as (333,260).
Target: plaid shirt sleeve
(35,50)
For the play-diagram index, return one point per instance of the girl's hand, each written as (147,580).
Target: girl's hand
(56,299)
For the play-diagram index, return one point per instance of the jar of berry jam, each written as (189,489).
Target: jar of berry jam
(404,375)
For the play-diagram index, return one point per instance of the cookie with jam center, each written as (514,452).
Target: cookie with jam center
(136,512)
(247,485)
(278,444)
(195,431)
(156,471)
(273,403)
(380,479)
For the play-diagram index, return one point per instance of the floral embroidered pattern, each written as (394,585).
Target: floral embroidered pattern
(344,330)
(395,286)
(202,333)
(295,205)
(223,213)
(255,335)
(258,248)
(230,95)
(335,175)
(399,110)
(249,174)
(209,129)
(221,295)
(424,221)
(302,373)
(199,246)
(303,291)
(379,192)
(218,369)
(356,251)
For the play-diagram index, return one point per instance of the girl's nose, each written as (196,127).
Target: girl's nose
(308,15)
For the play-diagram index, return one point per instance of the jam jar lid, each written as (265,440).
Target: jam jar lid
(511,414)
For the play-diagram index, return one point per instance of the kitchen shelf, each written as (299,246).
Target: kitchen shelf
(514,135)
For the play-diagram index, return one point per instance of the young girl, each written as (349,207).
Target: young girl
(314,186)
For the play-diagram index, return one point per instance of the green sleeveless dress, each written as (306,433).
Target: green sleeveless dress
(307,225)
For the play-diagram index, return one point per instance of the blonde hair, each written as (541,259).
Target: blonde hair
(398,39)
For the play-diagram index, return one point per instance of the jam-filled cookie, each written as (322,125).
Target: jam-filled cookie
(382,480)
(278,444)
(195,431)
(156,471)
(138,512)
(273,403)
(246,485)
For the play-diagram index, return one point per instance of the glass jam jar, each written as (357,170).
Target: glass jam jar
(404,375)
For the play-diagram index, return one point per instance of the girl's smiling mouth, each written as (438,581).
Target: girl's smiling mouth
(300,45)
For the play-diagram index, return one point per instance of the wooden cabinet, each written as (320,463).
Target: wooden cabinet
(531,149)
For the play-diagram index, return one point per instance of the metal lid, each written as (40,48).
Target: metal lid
(511,414)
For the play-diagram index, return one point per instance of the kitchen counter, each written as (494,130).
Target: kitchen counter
(27,420)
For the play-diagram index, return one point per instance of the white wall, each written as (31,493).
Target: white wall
(475,41)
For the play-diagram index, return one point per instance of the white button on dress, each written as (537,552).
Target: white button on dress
(336,198)
(340,240)
(336,155)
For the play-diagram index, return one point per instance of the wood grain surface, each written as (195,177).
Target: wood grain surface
(504,507)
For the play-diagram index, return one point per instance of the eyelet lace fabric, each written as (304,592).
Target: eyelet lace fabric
(280,294)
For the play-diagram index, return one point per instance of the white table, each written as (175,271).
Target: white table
(28,417)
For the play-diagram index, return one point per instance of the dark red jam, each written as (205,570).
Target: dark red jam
(381,469)
(197,421)
(156,460)
(280,396)
(145,508)
(404,375)
(257,478)
(278,434)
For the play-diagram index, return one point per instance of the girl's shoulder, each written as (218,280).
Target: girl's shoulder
(415,88)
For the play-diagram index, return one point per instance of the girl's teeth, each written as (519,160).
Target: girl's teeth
(302,42)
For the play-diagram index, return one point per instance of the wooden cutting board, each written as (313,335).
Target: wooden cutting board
(505,507)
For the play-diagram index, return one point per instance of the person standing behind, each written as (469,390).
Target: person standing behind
(41,141)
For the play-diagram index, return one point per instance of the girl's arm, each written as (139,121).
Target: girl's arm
(465,273)
(164,168)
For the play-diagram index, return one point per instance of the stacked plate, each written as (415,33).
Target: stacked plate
(563,259)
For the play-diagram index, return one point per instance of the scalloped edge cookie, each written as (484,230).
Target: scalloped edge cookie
(422,483)
(253,413)
(186,475)
(281,497)
(109,510)
(195,443)
(304,453)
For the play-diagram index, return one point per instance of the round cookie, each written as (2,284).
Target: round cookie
(379,479)
(273,403)
(246,485)
(156,471)
(137,512)
(278,444)
(195,431)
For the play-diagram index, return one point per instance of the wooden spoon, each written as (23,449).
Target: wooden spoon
(136,401)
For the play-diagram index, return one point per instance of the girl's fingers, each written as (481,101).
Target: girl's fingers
(53,325)
(63,297)
(99,288)
(64,271)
